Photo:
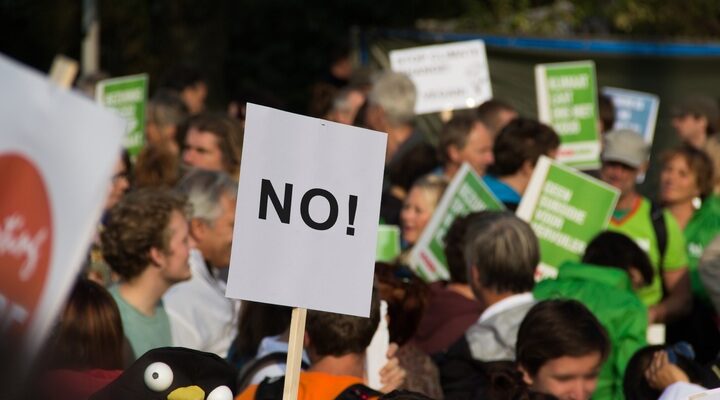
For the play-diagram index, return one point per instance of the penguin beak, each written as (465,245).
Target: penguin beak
(187,393)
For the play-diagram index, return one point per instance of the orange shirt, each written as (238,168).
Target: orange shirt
(314,385)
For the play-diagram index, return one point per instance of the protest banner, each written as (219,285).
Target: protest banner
(566,209)
(567,101)
(128,96)
(306,219)
(447,76)
(466,193)
(712,394)
(54,189)
(388,243)
(634,110)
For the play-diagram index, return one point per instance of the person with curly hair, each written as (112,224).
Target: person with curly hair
(146,242)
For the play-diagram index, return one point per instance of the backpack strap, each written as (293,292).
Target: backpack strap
(358,391)
(253,367)
(658,222)
(272,389)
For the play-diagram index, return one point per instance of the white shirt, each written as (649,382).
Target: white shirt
(505,304)
(201,317)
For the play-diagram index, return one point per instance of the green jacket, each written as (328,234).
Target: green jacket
(608,293)
(699,232)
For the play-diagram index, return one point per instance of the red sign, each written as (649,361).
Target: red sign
(25,241)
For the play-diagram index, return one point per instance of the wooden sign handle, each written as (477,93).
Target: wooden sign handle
(63,71)
(294,357)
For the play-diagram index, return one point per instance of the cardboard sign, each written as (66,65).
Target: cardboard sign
(388,243)
(307,213)
(567,101)
(634,110)
(713,394)
(57,152)
(128,96)
(566,209)
(466,194)
(447,76)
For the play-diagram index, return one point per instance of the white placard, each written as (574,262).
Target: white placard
(57,152)
(298,240)
(376,353)
(447,76)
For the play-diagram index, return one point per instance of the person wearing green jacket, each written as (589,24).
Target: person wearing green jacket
(603,281)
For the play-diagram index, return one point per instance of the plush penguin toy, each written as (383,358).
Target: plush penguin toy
(173,373)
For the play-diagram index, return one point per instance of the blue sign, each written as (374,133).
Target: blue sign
(634,110)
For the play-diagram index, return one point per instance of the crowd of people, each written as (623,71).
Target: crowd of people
(154,280)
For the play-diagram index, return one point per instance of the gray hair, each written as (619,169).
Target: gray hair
(395,93)
(204,189)
(504,251)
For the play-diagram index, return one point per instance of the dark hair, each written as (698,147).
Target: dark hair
(404,395)
(606,109)
(136,224)
(89,334)
(613,249)
(229,134)
(336,335)
(507,384)
(521,140)
(406,297)
(489,113)
(455,248)
(504,251)
(699,163)
(635,385)
(420,161)
(256,321)
(157,166)
(454,133)
(558,328)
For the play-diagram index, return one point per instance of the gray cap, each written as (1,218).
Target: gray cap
(698,105)
(624,146)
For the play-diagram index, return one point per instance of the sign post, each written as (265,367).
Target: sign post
(567,101)
(466,193)
(566,209)
(128,96)
(306,220)
(447,76)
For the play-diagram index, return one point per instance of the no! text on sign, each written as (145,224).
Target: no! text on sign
(307,213)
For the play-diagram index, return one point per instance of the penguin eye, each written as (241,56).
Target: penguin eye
(220,393)
(158,376)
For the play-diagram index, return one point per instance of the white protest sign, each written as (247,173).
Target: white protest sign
(56,157)
(307,213)
(447,76)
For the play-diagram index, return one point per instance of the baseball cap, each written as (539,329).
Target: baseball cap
(698,105)
(624,146)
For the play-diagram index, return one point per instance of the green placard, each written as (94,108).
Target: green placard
(566,209)
(388,243)
(128,96)
(466,194)
(567,100)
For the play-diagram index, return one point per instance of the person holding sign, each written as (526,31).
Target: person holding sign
(336,345)
(465,139)
(624,156)
(517,149)
(147,243)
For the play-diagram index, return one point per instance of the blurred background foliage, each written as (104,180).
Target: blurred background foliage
(279,47)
